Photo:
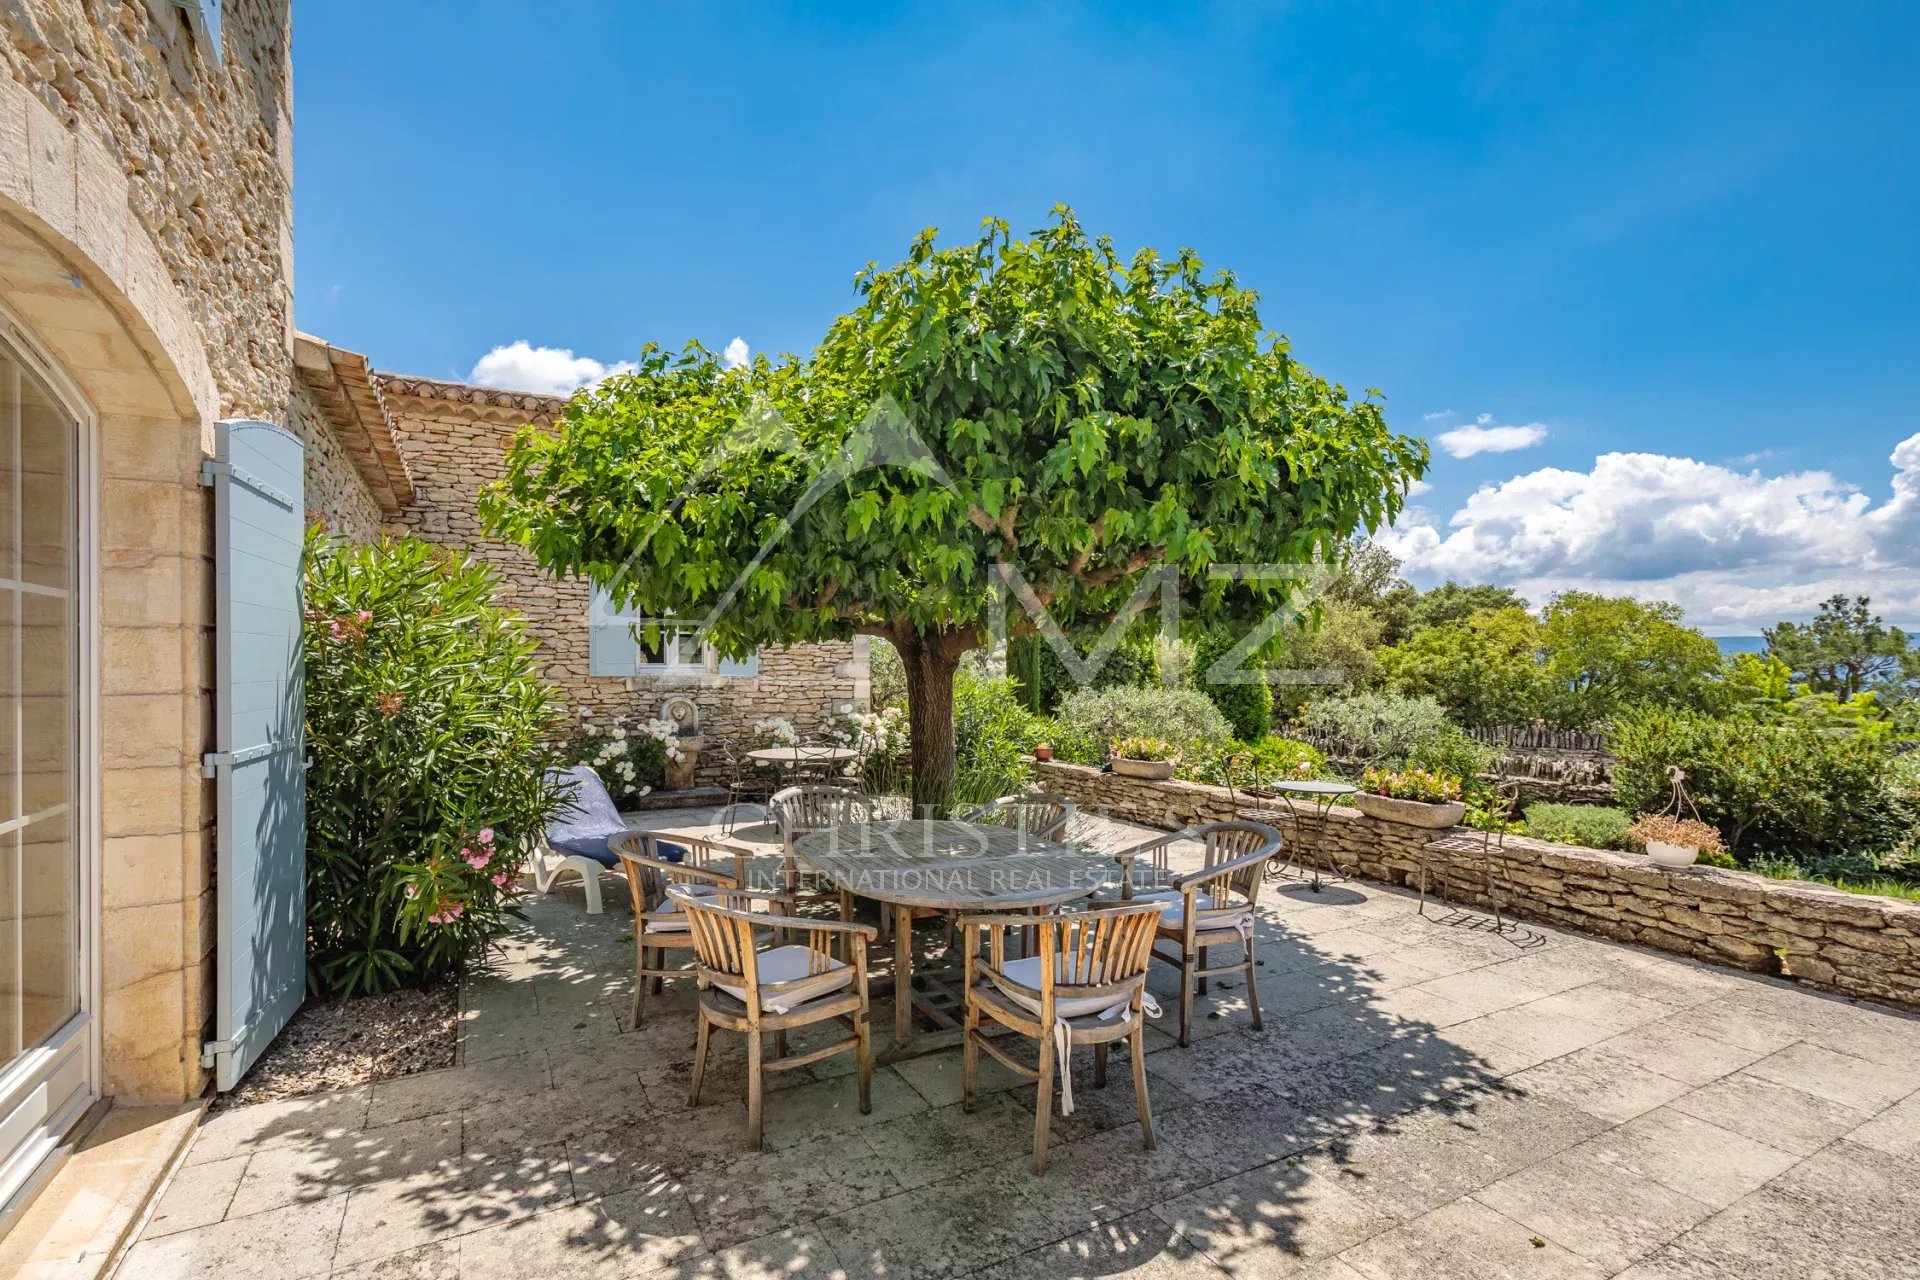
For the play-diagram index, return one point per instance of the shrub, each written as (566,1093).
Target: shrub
(1380,727)
(992,731)
(1248,707)
(1411,784)
(1591,826)
(879,741)
(428,728)
(630,762)
(1092,718)
(1252,764)
(1143,749)
(1043,681)
(1788,787)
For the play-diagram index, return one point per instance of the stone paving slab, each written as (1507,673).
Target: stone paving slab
(1427,1098)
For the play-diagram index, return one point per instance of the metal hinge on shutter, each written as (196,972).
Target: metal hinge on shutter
(210,1051)
(210,471)
(211,761)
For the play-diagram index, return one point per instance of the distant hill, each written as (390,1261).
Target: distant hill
(1741,644)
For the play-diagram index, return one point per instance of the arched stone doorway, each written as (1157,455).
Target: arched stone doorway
(97,348)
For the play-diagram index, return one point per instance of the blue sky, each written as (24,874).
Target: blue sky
(1671,247)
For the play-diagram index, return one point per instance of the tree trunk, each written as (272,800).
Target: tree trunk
(930,661)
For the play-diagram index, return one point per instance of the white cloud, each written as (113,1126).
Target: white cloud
(1487,436)
(1419,487)
(547,371)
(1738,549)
(1441,416)
(736,354)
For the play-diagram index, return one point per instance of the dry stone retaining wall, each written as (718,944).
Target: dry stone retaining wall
(1851,943)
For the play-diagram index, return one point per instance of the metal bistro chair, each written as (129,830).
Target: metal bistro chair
(776,990)
(748,785)
(699,867)
(1203,909)
(1085,985)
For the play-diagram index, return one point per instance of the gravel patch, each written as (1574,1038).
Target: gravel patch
(333,1044)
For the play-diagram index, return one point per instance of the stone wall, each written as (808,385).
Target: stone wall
(336,495)
(206,147)
(454,439)
(1851,943)
(146,245)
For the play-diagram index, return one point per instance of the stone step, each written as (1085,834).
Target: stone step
(685,798)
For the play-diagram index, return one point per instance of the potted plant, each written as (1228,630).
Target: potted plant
(1043,751)
(1674,842)
(1415,797)
(1142,758)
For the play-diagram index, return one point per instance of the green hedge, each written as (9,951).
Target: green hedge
(1589,825)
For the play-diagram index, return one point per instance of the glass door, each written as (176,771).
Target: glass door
(43,1061)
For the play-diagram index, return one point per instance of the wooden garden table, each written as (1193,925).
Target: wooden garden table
(941,865)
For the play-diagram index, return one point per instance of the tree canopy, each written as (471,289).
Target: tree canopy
(1846,650)
(1037,403)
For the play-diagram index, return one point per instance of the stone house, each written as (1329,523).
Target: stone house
(146,294)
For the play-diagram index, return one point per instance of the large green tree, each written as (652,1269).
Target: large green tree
(1607,653)
(1846,649)
(1485,668)
(1039,404)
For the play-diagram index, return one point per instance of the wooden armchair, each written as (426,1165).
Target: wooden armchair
(1207,908)
(773,991)
(1037,813)
(659,926)
(810,807)
(1086,984)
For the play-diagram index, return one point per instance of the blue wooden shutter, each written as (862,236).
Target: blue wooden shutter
(747,666)
(260,766)
(611,648)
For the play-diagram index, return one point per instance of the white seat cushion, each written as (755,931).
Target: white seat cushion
(1174,916)
(668,919)
(1027,973)
(784,964)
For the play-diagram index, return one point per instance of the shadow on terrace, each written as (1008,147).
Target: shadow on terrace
(563,1139)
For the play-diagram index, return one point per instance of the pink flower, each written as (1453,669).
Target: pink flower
(413,891)
(502,879)
(486,835)
(474,858)
(333,628)
(366,615)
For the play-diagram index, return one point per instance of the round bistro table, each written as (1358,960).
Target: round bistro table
(817,760)
(941,865)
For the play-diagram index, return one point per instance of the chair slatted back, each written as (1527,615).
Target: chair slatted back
(725,945)
(815,807)
(1040,814)
(1231,841)
(649,875)
(1099,952)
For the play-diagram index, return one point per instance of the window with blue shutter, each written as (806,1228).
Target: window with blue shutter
(612,649)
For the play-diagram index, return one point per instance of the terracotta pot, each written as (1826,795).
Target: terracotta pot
(1043,752)
(1411,813)
(1671,856)
(1155,770)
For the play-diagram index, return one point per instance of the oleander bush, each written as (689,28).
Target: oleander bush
(992,732)
(430,731)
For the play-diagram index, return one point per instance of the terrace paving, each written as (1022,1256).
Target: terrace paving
(1427,1100)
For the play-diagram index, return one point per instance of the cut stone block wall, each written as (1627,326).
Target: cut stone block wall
(1852,943)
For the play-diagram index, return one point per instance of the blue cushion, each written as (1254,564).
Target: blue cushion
(587,819)
(670,852)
